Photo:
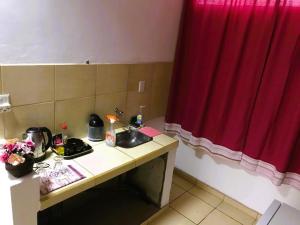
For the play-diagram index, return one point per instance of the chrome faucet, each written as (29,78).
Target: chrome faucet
(119,113)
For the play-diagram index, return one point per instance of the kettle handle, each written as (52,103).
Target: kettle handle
(49,135)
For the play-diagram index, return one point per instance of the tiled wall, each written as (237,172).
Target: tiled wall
(47,95)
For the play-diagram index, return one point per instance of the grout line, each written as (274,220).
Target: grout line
(126,95)
(32,104)
(223,198)
(215,207)
(45,102)
(98,73)
(207,201)
(238,210)
(184,191)
(54,114)
(188,189)
(95,87)
(182,214)
(229,216)
(75,98)
(3,115)
(206,216)
(111,93)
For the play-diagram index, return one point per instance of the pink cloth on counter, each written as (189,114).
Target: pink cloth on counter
(149,131)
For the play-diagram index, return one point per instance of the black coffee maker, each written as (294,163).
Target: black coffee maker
(96,128)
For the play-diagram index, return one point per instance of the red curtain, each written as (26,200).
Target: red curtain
(236,83)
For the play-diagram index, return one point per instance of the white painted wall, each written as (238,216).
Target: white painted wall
(103,31)
(122,31)
(227,176)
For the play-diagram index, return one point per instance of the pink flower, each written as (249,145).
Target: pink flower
(21,148)
(4,156)
(30,144)
(10,147)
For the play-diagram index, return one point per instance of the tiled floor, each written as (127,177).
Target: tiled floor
(192,204)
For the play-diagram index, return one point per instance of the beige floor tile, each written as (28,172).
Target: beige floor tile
(236,213)
(183,174)
(182,182)
(240,206)
(206,196)
(170,217)
(191,207)
(210,189)
(218,218)
(176,191)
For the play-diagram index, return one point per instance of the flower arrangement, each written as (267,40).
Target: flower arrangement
(15,152)
(111,118)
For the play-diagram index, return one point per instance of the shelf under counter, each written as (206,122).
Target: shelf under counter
(105,163)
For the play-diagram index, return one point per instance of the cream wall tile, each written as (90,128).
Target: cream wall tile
(160,89)
(72,81)
(206,196)
(22,117)
(236,213)
(112,78)
(0,80)
(133,103)
(140,72)
(218,218)
(191,207)
(1,126)
(1,115)
(170,217)
(75,112)
(107,103)
(162,75)
(28,84)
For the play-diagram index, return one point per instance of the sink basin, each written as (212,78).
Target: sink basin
(131,138)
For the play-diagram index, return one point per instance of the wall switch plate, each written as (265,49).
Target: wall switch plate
(5,105)
(141,86)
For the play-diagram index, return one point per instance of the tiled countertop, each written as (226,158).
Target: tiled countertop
(107,162)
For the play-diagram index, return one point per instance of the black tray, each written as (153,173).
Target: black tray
(86,148)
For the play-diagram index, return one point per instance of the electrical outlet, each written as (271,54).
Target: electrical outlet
(141,86)
(4,103)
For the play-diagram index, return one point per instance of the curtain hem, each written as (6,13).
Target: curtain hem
(263,168)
